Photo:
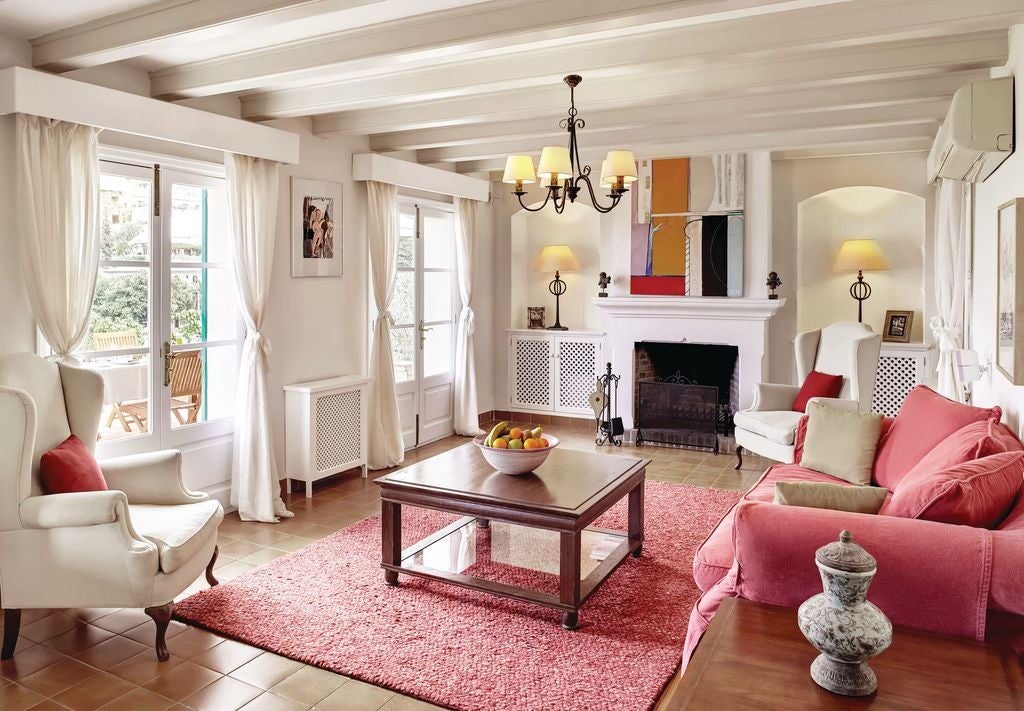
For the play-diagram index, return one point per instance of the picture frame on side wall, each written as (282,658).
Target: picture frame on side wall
(897,326)
(317,234)
(1009,294)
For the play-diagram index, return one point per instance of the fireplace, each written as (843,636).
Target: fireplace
(684,394)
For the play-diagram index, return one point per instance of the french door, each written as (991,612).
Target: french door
(423,334)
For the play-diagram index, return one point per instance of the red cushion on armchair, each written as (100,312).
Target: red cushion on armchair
(70,467)
(817,385)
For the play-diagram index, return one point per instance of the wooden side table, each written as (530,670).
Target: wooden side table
(754,656)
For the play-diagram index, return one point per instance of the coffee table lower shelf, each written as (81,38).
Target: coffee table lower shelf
(574,590)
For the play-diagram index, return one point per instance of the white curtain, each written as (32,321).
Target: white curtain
(385,429)
(467,417)
(58,222)
(252,204)
(950,280)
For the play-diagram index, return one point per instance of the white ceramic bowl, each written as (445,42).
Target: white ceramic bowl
(515,461)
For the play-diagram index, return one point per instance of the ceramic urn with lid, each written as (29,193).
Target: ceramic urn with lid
(841,623)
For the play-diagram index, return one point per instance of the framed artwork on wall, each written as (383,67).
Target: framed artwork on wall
(316,228)
(897,326)
(1009,294)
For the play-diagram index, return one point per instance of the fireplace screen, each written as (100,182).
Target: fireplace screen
(679,414)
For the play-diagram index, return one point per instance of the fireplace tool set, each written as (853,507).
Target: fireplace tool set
(605,401)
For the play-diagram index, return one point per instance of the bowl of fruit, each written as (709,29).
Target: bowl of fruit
(515,450)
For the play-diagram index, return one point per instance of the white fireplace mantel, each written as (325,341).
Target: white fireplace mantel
(689,307)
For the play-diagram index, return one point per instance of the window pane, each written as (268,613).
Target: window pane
(186,306)
(403,304)
(125,395)
(437,296)
(203,385)
(203,305)
(437,240)
(188,223)
(125,215)
(402,354)
(437,350)
(120,309)
(407,239)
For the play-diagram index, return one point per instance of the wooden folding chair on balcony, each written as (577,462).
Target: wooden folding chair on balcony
(114,341)
(186,391)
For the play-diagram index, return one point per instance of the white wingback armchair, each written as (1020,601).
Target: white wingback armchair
(844,348)
(139,544)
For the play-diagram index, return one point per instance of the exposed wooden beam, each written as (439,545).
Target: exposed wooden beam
(497,28)
(859,64)
(807,30)
(816,101)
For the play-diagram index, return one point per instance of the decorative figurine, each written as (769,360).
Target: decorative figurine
(841,623)
(603,280)
(773,283)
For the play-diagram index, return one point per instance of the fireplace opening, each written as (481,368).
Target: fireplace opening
(684,394)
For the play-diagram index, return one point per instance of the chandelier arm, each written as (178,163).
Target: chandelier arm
(534,209)
(593,197)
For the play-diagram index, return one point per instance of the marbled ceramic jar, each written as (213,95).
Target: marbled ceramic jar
(841,623)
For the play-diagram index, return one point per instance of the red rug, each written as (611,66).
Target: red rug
(327,605)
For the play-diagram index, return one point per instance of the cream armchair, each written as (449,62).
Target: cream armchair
(844,348)
(139,544)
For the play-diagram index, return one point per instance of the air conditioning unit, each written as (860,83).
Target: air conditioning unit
(977,134)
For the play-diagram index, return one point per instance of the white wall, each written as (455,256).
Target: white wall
(894,219)
(794,181)
(1003,185)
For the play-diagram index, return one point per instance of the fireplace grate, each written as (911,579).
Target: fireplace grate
(676,412)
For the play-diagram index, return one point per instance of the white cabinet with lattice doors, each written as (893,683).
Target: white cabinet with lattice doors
(553,371)
(325,428)
(901,366)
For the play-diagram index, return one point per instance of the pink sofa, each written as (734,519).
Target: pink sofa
(934,577)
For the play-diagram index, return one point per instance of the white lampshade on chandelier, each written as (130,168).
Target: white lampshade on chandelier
(562,173)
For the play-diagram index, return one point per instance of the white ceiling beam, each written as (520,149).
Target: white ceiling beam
(866,148)
(929,113)
(499,29)
(820,100)
(815,29)
(783,140)
(859,64)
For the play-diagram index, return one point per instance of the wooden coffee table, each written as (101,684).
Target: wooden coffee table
(565,495)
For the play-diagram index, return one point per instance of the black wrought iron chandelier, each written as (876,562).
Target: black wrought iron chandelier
(562,172)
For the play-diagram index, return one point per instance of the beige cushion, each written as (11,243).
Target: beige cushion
(838,497)
(179,532)
(841,443)
(775,425)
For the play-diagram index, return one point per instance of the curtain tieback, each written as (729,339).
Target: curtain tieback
(386,315)
(261,343)
(469,318)
(946,336)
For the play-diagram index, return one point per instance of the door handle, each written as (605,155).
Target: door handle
(423,334)
(168,363)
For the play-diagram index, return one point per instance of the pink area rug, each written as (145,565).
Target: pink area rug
(327,605)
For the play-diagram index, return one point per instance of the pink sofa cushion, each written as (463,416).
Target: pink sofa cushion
(970,442)
(978,493)
(925,419)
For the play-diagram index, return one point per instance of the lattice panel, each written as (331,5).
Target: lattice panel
(577,373)
(533,373)
(894,378)
(338,434)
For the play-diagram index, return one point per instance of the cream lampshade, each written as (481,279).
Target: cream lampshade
(860,254)
(554,164)
(621,164)
(557,258)
(519,170)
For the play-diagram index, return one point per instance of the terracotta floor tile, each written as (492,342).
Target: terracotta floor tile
(225,694)
(26,662)
(182,681)
(232,570)
(14,697)
(58,677)
(110,652)
(266,670)
(273,702)
(48,705)
(144,667)
(292,544)
(146,632)
(227,656)
(356,696)
(93,692)
(192,642)
(122,620)
(407,703)
(263,555)
(239,549)
(87,614)
(49,626)
(309,685)
(139,699)
(78,639)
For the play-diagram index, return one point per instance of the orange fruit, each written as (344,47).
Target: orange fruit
(544,442)
(500,444)
(532,443)
(516,433)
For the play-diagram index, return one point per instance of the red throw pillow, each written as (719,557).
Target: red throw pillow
(925,419)
(970,442)
(70,467)
(979,493)
(817,385)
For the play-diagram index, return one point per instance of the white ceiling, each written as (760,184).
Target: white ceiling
(465,82)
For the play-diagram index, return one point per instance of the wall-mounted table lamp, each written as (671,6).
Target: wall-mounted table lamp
(859,255)
(557,258)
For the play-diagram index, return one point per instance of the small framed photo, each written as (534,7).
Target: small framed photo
(535,316)
(316,229)
(897,326)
